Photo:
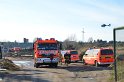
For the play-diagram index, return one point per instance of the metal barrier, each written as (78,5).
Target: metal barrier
(119,54)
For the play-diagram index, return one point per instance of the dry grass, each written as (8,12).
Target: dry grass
(120,72)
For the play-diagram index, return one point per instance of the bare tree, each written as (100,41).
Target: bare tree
(90,40)
(72,37)
(70,42)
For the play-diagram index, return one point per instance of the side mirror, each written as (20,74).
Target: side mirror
(33,46)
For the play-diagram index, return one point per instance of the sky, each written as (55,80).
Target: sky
(59,19)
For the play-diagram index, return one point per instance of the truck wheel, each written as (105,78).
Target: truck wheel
(56,65)
(51,65)
(36,65)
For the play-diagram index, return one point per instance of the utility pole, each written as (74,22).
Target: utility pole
(83,35)
(0,52)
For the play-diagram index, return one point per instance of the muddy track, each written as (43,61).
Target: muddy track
(75,72)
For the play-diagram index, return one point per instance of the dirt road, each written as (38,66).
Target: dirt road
(75,72)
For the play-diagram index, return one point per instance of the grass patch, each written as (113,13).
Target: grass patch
(120,72)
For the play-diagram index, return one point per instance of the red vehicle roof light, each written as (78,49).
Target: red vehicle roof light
(52,38)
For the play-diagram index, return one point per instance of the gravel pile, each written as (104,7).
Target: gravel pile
(8,64)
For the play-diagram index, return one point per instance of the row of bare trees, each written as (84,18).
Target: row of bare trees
(71,43)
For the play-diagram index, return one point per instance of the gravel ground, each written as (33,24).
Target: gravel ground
(75,72)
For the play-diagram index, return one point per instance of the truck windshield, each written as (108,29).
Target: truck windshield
(46,46)
(74,52)
(106,52)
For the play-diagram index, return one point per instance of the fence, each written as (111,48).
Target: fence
(119,54)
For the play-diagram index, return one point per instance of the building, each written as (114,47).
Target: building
(26,40)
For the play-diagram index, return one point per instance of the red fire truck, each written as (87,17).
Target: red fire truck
(46,52)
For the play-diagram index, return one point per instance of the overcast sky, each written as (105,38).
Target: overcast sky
(59,19)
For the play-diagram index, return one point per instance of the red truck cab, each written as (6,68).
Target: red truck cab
(46,52)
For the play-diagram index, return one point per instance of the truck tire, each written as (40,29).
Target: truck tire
(50,65)
(56,65)
(36,65)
